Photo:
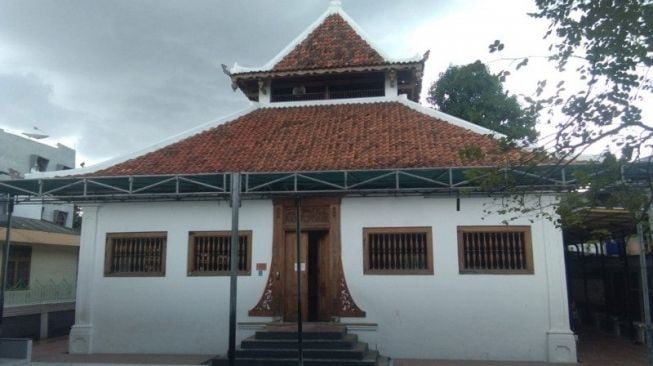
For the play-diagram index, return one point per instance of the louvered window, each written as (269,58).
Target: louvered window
(135,254)
(401,250)
(209,253)
(495,249)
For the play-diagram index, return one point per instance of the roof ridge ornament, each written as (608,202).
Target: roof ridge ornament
(335,5)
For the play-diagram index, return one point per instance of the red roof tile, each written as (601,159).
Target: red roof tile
(334,43)
(317,138)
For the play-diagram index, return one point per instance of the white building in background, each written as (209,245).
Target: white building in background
(414,275)
(41,276)
(21,155)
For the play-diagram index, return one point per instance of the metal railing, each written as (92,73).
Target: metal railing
(39,293)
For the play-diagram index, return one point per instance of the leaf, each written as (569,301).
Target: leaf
(521,64)
(496,46)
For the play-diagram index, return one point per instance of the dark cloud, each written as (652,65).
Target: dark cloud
(124,74)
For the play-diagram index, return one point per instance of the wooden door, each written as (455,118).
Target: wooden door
(325,279)
(290,277)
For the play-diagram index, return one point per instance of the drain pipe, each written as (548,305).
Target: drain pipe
(298,242)
(233,266)
(5,257)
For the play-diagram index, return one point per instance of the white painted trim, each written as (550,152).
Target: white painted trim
(320,102)
(161,144)
(334,8)
(400,99)
(449,118)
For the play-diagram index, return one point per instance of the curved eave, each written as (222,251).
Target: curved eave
(262,74)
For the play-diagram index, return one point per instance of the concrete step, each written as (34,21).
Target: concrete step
(346,342)
(370,359)
(5,361)
(311,334)
(357,352)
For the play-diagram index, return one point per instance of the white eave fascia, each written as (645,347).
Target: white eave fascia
(450,119)
(322,102)
(161,144)
(334,8)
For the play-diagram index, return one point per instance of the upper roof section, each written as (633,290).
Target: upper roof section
(334,43)
(331,59)
(334,40)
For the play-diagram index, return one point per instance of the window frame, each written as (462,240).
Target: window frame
(141,234)
(13,268)
(528,248)
(57,214)
(191,272)
(428,230)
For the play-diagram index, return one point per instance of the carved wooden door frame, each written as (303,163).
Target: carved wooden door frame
(320,213)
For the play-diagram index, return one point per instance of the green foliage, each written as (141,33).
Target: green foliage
(470,92)
(77,217)
(609,45)
(602,186)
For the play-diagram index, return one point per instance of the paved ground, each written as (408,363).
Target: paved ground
(55,350)
(594,349)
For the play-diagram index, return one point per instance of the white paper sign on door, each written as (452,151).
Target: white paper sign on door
(302,267)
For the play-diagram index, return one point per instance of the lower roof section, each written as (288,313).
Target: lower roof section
(32,231)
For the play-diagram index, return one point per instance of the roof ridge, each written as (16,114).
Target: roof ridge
(334,8)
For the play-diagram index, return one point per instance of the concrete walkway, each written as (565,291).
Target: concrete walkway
(54,352)
(594,349)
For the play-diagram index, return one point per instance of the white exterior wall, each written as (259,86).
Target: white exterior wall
(44,212)
(17,151)
(175,313)
(452,315)
(53,272)
(444,315)
(53,263)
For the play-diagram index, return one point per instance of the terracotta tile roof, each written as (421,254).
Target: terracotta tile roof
(315,138)
(334,43)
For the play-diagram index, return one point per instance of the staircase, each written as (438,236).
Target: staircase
(322,344)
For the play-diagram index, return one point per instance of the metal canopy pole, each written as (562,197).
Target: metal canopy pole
(5,257)
(233,266)
(645,293)
(298,237)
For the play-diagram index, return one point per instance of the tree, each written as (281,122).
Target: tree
(470,92)
(609,45)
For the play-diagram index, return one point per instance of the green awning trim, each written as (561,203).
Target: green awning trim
(389,182)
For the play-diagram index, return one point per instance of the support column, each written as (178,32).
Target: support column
(43,331)
(233,269)
(391,87)
(561,341)
(81,334)
(5,258)
(646,303)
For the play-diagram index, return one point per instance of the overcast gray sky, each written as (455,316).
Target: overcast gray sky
(110,77)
